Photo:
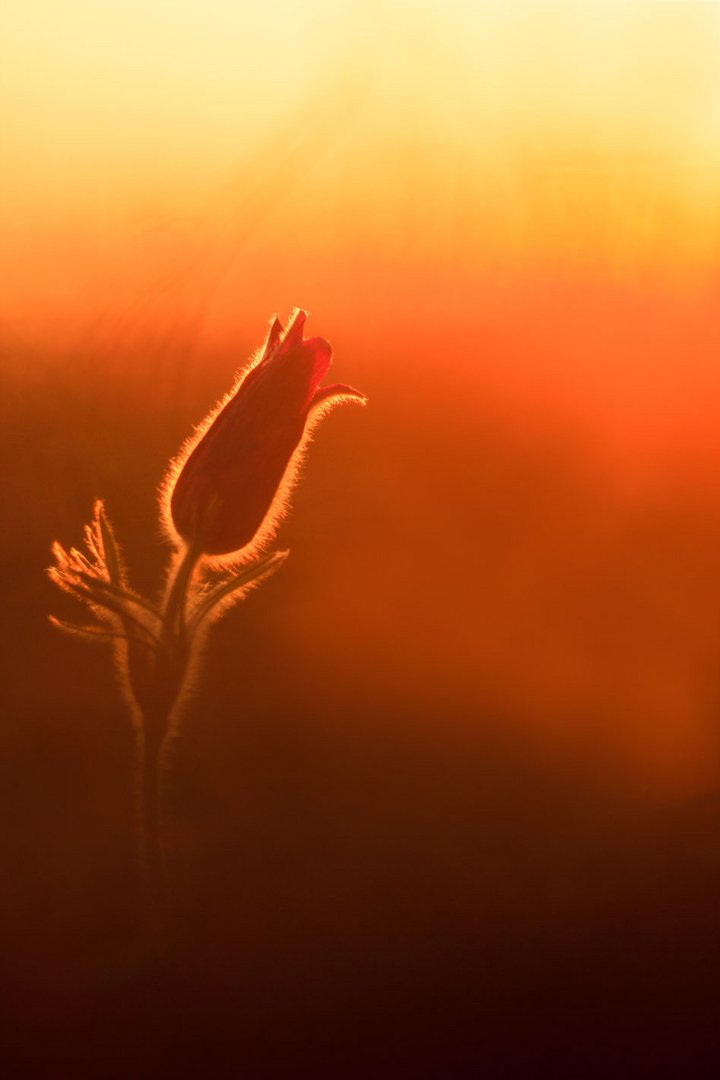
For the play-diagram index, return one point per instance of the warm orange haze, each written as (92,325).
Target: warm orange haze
(461,753)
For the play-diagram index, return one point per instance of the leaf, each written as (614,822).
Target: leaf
(118,592)
(250,575)
(95,632)
(116,607)
(111,552)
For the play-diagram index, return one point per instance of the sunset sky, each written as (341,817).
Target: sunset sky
(168,148)
(505,210)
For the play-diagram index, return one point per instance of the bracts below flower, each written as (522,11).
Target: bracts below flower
(156,648)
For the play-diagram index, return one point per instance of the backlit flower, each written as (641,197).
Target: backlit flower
(228,487)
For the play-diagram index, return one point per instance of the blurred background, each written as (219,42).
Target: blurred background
(449,792)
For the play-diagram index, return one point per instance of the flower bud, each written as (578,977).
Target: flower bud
(227,489)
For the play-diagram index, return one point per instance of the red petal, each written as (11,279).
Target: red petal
(321,358)
(273,337)
(294,334)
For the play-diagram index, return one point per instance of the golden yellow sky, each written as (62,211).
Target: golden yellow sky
(432,130)
(506,210)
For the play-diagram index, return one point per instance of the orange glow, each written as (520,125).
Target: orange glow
(504,216)
(442,797)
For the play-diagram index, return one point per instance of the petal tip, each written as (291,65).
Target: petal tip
(294,332)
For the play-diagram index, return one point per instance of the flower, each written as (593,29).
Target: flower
(227,489)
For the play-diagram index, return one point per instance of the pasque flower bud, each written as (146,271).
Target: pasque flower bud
(228,487)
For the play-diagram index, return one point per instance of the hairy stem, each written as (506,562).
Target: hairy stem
(150,826)
(176,599)
(164,684)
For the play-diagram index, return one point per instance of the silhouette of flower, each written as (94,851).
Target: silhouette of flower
(224,494)
(229,486)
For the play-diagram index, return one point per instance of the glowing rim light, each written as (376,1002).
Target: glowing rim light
(228,489)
